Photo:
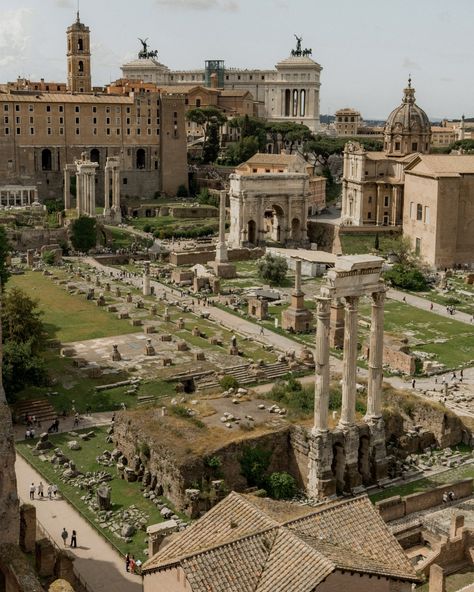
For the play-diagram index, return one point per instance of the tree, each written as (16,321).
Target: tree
(182,191)
(21,368)
(406,277)
(21,319)
(5,248)
(253,465)
(281,485)
(210,150)
(209,118)
(84,233)
(272,268)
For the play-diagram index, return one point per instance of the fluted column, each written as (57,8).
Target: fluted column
(79,191)
(67,189)
(92,193)
(221,248)
(349,362)
(321,394)
(107,190)
(374,387)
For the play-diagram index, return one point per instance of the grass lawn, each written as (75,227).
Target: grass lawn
(121,239)
(123,494)
(172,223)
(68,317)
(463,472)
(450,341)
(355,244)
(454,582)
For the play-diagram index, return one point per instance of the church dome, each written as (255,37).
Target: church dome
(408,128)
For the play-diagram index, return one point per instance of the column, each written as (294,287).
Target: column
(393,216)
(67,189)
(374,386)
(349,373)
(116,194)
(107,189)
(79,190)
(221,249)
(378,211)
(297,276)
(321,393)
(92,192)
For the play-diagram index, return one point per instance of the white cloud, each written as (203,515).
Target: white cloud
(226,5)
(13,35)
(64,3)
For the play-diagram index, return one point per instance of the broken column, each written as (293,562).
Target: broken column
(146,279)
(336,326)
(221,265)
(296,317)
(149,349)
(85,186)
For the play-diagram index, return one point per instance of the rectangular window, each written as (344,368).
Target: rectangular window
(5,107)
(49,131)
(18,131)
(94,120)
(61,131)
(7,131)
(32,131)
(107,109)
(128,120)
(48,108)
(128,109)
(107,120)
(77,131)
(369,215)
(77,121)
(94,109)
(48,119)
(108,131)
(5,120)
(157,131)
(117,109)
(414,146)
(125,180)
(427,215)
(94,132)
(386,201)
(18,120)
(149,131)
(369,199)
(32,119)
(117,121)
(128,131)
(61,108)
(118,132)
(397,145)
(139,131)
(61,120)
(419,212)
(417,245)
(30,108)
(77,109)
(17,108)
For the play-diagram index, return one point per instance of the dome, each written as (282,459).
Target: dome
(408,128)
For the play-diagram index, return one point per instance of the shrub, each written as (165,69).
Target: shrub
(272,268)
(145,449)
(48,257)
(83,233)
(281,486)
(182,191)
(148,228)
(407,277)
(228,382)
(179,411)
(253,465)
(213,462)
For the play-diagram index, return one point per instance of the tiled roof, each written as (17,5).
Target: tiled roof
(42,97)
(238,547)
(263,158)
(444,164)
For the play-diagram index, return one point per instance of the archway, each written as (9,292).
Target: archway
(140,160)
(275,223)
(364,460)
(338,466)
(81,66)
(46,160)
(80,44)
(252,232)
(95,155)
(296,229)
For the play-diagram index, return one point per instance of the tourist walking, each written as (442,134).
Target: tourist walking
(132,564)
(431,306)
(41,490)
(50,491)
(74,539)
(55,490)
(413,383)
(127,562)
(64,536)
(32,491)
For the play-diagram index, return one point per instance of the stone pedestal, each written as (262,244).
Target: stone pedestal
(180,323)
(149,349)
(297,318)
(321,481)
(103,497)
(221,266)
(352,477)
(27,528)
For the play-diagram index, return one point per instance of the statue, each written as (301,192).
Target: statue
(298,52)
(298,44)
(144,52)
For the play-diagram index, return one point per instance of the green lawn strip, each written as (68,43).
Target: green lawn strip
(69,317)
(123,492)
(354,244)
(450,476)
(463,304)
(423,327)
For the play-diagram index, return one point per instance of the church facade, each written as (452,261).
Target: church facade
(373,182)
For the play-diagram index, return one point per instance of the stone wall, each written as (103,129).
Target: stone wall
(397,507)
(194,212)
(35,238)
(203,256)
(9,506)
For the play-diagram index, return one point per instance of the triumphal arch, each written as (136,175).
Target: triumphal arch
(351,455)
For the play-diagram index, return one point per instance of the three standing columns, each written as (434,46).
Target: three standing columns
(349,373)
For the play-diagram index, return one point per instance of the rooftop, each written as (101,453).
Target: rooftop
(443,165)
(246,544)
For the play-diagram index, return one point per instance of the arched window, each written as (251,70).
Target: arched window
(140,161)
(46,160)
(80,44)
(81,66)
(302,102)
(198,102)
(95,155)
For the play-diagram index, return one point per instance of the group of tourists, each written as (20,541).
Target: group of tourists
(132,565)
(51,491)
(65,536)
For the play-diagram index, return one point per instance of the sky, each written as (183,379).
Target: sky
(367,48)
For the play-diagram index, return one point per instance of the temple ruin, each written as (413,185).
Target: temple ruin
(352,455)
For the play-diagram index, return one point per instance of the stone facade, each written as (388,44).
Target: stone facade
(438,212)
(290,92)
(42,131)
(372,187)
(347,122)
(270,199)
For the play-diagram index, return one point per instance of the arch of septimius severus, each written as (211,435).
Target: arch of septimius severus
(353,454)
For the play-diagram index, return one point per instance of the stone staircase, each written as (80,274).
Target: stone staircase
(40,408)
(206,383)
(276,370)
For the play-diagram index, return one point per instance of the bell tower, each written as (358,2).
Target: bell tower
(78,58)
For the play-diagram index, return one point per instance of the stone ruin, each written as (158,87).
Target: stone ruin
(296,318)
(352,455)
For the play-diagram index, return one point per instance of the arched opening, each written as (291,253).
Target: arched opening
(364,460)
(252,232)
(302,102)
(338,466)
(95,155)
(296,229)
(46,160)
(140,159)
(274,220)
(270,149)
(198,102)
(80,44)
(287,102)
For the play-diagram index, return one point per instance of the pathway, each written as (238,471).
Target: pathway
(66,424)
(425,304)
(100,566)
